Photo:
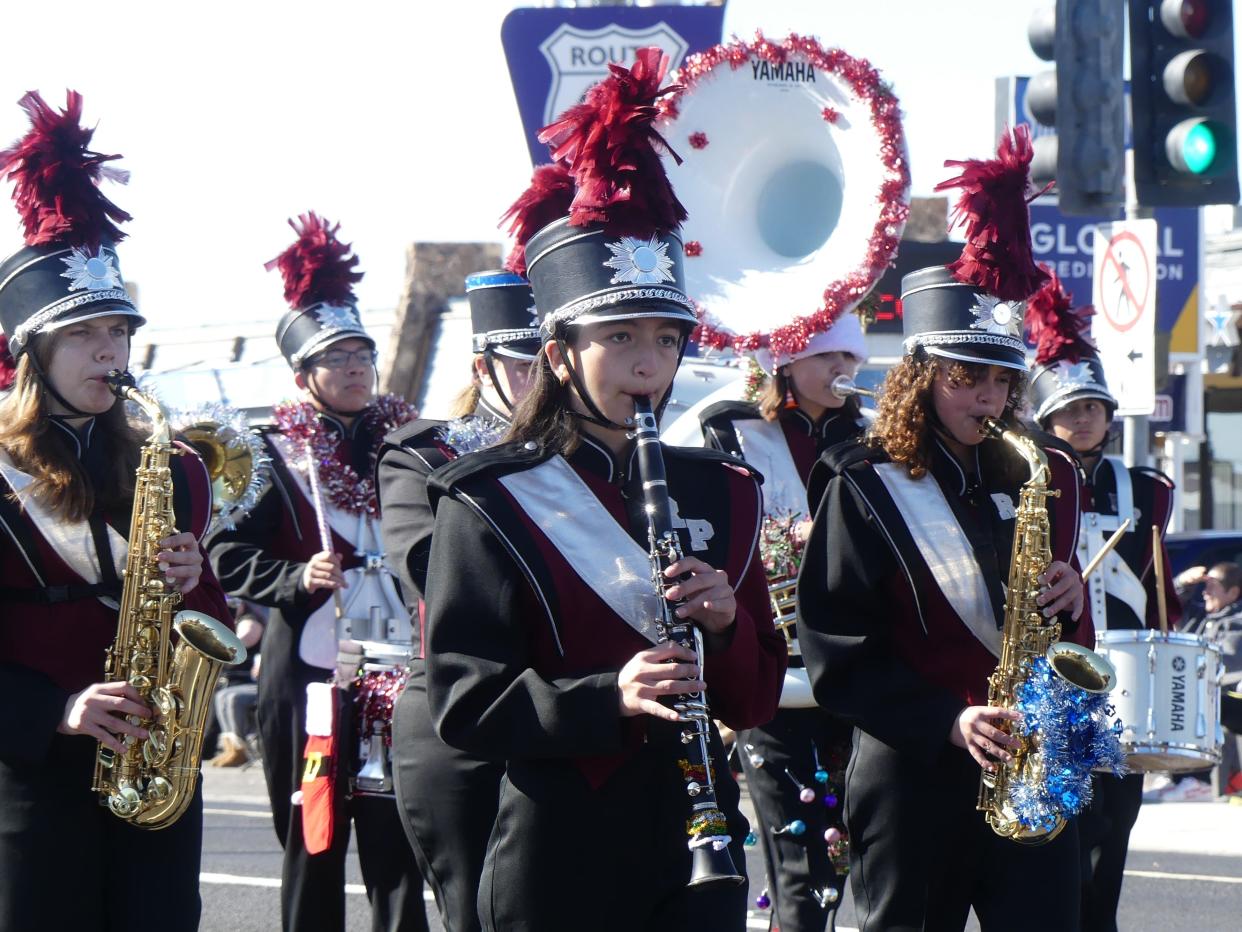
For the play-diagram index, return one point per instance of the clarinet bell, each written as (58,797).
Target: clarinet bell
(712,865)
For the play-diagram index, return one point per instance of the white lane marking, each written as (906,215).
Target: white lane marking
(246,799)
(1162,875)
(248,813)
(237,880)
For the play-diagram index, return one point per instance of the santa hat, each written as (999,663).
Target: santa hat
(972,309)
(319,274)
(68,270)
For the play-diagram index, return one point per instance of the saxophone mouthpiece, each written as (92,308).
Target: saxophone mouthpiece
(118,381)
(991,427)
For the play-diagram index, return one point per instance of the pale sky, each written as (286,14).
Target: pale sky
(398,120)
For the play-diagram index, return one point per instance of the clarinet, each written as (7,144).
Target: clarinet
(707,827)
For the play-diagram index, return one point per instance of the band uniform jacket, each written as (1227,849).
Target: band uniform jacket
(524,654)
(261,560)
(886,646)
(1122,590)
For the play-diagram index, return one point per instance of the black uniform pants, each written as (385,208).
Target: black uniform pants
(1104,836)
(921,855)
(312,894)
(799,868)
(566,857)
(448,799)
(66,863)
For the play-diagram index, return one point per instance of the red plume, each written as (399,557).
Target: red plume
(56,178)
(611,147)
(8,365)
(992,207)
(548,198)
(317,267)
(1058,332)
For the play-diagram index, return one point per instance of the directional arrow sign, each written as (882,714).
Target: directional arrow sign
(1124,325)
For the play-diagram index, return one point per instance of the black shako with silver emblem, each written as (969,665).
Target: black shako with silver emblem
(583,275)
(960,321)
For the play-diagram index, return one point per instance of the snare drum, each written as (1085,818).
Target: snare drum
(374,696)
(1167,697)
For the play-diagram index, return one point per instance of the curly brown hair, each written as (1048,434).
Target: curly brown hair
(901,428)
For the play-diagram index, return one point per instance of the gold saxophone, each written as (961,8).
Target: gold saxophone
(152,782)
(1025,638)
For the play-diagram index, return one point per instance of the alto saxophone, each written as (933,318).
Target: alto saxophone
(1025,638)
(152,781)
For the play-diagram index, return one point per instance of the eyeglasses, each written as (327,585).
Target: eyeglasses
(341,359)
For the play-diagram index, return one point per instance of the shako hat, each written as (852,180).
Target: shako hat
(503,317)
(68,270)
(972,309)
(319,274)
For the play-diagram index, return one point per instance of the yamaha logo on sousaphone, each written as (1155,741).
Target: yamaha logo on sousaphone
(797,184)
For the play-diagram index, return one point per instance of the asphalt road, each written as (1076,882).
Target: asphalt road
(1184,871)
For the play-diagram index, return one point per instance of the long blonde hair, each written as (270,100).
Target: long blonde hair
(29,437)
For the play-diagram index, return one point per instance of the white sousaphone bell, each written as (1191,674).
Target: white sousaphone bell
(796,181)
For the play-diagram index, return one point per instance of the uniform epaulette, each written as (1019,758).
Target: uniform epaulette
(506,457)
(415,434)
(712,456)
(841,456)
(1153,474)
(722,414)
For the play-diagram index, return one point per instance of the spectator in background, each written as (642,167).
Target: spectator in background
(1221,624)
(238,693)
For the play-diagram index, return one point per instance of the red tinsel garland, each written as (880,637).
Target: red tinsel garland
(301,426)
(376,692)
(866,84)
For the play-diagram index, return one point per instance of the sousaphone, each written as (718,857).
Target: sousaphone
(797,184)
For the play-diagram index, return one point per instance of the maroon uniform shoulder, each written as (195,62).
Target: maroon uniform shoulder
(190,470)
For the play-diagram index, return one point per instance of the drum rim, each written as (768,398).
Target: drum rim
(1152,636)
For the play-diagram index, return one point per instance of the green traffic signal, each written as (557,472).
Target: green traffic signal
(1192,146)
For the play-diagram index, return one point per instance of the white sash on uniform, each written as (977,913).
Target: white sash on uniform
(72,540)
(1113,576)
(943,545)
(594,545)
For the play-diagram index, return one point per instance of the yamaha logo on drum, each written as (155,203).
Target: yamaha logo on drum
(1179,664)
(783,71)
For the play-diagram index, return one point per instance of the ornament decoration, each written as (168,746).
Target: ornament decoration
(756,759)
(763,901)
(831,115)
(751,840)
(301,426)
(375,694)
(892,196)
(805,793)
(698,140)
(693,249)
(796,828)
(474,432)
(827,897)
(1072,728)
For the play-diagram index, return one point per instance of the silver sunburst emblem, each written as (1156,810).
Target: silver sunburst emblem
(1074,375)
(91,272)
(334,317)
(993,315)
(640,263)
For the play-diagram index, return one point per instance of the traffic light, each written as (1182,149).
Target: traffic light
(1184,99)
(1083,98)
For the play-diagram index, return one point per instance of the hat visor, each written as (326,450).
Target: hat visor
(982,355)
(331,339)
(91,312)
(638,312)
(517,349)
(1058,401)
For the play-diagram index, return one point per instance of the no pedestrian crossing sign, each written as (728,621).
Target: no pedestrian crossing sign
(1124,326)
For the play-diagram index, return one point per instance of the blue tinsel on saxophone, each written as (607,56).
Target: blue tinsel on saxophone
(1072,726)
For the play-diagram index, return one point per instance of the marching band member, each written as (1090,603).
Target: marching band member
(901,594)
(449,797)
(68,464)
(795,764)
(541,633)
(323,448)
(1070,398)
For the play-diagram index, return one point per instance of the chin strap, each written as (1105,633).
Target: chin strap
(491,372)
(51,389)
(597,416)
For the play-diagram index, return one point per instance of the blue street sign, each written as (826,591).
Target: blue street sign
(556,54)
(1065,243)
